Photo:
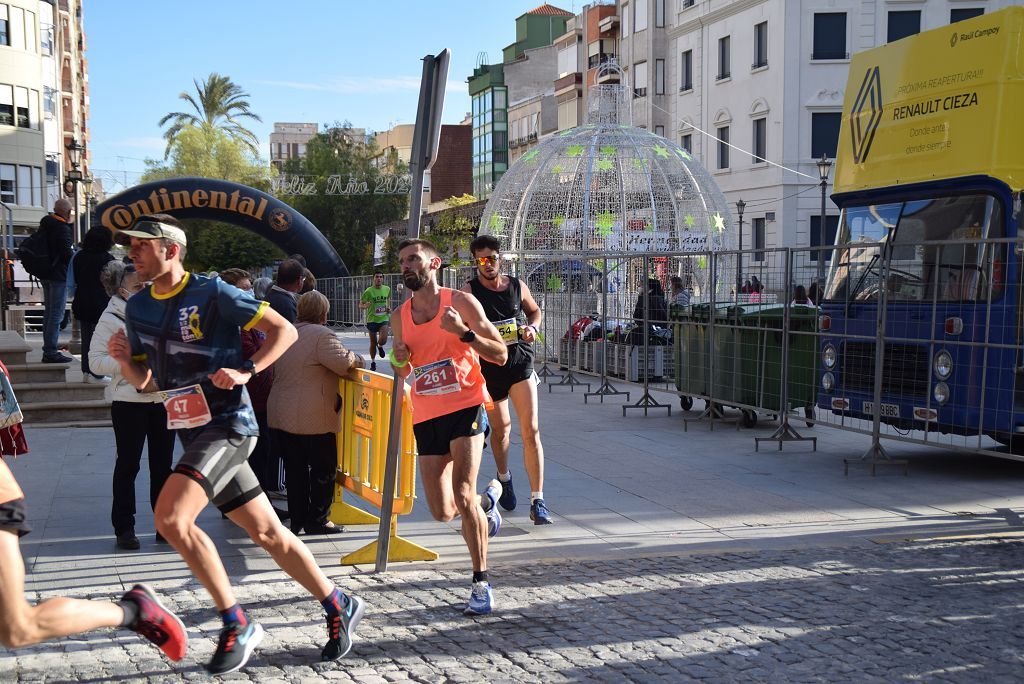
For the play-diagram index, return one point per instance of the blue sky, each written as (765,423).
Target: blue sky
(312,60)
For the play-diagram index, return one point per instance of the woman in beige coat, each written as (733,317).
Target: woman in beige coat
(304,409)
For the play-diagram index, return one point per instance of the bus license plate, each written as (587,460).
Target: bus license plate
(888,410)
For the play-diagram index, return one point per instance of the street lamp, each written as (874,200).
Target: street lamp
(740,206)
(75,176)
(824,164)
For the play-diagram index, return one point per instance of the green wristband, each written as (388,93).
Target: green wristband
(391,357)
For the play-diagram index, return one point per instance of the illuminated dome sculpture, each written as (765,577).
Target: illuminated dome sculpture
(609,188)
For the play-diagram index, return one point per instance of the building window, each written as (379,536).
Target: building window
(659,77)
(659,13)
(831,223)
(49,102)
(686,71)
(7,183)
(723,147)
(903,24)
(761,45)
(46,39)
(5,34)
(687,3)
(830,35)
(640,79)
(22,119)
(757,235)
(639,15)
(723,58)
(625,20)
(567,60)
(6,105)
(598,52)
(825,134)
(686,142)
(659,131)
(24,186)
(956,15)
(17,28)
(760,140)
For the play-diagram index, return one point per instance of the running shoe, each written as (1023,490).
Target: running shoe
(373,365)
(340,629)
(380,350)
(508,496)
(481,600)
(234,647)
(539,513)
(156,623)
(489,501)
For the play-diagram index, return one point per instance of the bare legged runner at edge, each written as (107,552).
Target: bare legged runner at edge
(508,304)
(22,624)
(182,338)
(439,335)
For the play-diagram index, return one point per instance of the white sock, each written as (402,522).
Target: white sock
(536,495)
(505,477)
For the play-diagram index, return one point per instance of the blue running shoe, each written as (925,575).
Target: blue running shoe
(489,502)
(341,628)
(481,600)
(508,496)
(234,648)
(539,513)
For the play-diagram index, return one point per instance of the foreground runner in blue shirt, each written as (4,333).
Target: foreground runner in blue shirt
(182,339)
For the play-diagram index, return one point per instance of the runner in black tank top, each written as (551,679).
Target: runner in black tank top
(508,303)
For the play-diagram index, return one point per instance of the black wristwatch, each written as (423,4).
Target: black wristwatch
(468,337)
(249,367)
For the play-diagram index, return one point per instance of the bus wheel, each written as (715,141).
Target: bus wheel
(686,403)
(809,416)
(749,419)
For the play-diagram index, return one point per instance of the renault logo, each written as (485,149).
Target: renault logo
(866,115)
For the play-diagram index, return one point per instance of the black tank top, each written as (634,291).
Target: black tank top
(504,309)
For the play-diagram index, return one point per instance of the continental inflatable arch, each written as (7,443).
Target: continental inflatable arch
(227,202)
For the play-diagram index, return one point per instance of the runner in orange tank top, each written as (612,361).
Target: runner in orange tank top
(439,337)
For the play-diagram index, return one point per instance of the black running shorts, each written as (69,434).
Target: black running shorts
(13,515)
(500,379)
(434,436)
(218,459)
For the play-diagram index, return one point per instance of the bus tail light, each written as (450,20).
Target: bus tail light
(824,323)
(954,325)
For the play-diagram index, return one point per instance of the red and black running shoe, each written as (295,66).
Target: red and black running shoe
(156,623)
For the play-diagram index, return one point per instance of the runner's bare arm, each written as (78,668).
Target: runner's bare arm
(138,374)
(398,348)
(533,314)
(280,335)
(364,303)
(465,314)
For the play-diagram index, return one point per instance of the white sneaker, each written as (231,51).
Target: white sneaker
(91,379)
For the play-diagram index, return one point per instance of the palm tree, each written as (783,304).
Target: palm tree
(221,103)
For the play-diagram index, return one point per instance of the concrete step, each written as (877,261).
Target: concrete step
(67,392)
(74,424)
(37,372)
(13,348)
(49,412)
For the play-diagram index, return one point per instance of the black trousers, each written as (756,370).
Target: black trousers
(88,328)
(264,459)
(310,464)
(134,424)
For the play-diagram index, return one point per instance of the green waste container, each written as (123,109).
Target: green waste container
(725,350)
(760,348)
(691,335)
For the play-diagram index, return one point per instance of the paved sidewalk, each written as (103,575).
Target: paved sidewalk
(674,556)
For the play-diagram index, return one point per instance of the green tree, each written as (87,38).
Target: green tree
(218,104)
(335,162)
(453,231)
(211,153)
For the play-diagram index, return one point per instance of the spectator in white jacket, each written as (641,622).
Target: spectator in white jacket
(137,416)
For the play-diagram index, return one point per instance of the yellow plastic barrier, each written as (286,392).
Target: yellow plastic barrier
(362,451)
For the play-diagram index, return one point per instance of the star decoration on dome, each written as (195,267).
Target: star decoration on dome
(605,165)
(558,221)
(640,163)
(557,169)
(497,222)
(574,150)
(531,230)
(530,155)
(608,150)
(689,220)
(661,151)
(718,222)
(684,154)
(649,227)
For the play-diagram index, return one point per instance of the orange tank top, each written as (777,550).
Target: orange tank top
(445,372)
(9,489)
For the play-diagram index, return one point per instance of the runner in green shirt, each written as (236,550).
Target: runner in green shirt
(376,300)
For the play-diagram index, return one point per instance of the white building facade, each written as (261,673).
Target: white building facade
(769,77)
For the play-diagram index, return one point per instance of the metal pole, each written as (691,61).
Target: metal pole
(821,241)
(78,217)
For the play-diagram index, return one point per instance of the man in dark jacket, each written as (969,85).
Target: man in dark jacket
(57,227)
(282,296)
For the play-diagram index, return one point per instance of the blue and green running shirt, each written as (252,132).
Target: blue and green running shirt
(187,334)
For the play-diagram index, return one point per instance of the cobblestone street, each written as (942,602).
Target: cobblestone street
(909,611)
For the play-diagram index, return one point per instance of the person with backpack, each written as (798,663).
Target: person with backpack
(51,268)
